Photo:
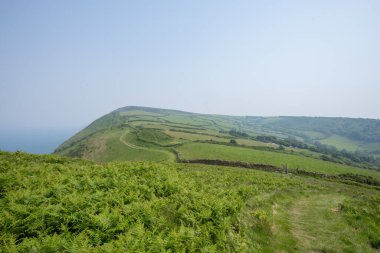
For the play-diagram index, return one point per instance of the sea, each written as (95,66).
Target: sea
(36,141)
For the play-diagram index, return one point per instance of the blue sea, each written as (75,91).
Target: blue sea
(37,141)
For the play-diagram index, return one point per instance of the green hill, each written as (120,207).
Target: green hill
(150,134)
(155,180)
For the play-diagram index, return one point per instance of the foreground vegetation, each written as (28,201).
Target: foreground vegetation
(55,204)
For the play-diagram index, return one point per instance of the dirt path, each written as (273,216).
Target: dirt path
(127,143)
(130,145)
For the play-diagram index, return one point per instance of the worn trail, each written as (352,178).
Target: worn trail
(130,145)
(318,226)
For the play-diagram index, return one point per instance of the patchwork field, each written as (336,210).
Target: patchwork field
(149,134)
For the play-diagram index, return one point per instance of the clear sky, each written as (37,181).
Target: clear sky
(65,63)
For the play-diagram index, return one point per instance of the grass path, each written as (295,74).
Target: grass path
(130,145)
(317,225)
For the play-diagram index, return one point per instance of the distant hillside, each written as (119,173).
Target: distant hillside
(360,130)
(141,133)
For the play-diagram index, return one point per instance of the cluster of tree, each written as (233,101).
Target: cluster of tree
(237,133)
(356,156)
(233,142)
(289,142)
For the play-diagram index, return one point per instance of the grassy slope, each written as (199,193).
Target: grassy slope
(213,151)
(318,225)
(122,147)
(341,142)
(362,130)
(154,130)
(50,203)
(314,128)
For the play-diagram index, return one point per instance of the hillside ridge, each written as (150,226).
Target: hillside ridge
(156,109)
(315,143)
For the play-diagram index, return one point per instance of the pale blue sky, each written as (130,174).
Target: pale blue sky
(65,63)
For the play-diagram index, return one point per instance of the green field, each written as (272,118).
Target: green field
(341,142)
(155,136)
(181,119)
(195,136)
(55,204)
(211,151)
